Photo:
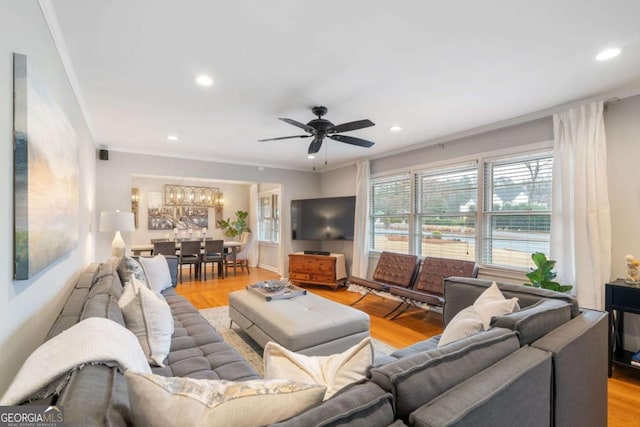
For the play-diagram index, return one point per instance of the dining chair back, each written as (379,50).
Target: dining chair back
(164,248)
(190,254)
(213,253)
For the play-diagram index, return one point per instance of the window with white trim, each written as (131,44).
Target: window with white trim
(496,212)
(517,209)
(390,210)
(269,217)
(446,202)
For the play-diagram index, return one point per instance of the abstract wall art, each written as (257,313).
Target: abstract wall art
(46,177)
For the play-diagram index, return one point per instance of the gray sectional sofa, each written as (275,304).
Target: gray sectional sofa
(543,366)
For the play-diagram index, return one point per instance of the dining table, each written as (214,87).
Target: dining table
(137,250)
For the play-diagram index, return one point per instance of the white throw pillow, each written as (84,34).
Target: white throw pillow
(492,303)
(157,271)
(148,316)
(181,401)
(335,371)
(464,324)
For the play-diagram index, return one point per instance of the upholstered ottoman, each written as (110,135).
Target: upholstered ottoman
(307,324)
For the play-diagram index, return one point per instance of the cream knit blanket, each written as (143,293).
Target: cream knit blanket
(93,340)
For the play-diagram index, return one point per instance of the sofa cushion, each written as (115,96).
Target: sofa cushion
(417,379)
(148,316)
(335,371)
(536,320)
(173,401)
(513,392)
(197,349)
(157,271)
(361,404)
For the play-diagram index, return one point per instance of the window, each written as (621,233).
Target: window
(390,212)
(517,209)
(496,212)
(446,202)
(269,218)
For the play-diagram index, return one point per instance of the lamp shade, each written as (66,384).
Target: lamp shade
(117,221)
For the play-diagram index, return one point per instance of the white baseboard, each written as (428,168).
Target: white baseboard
(269,267)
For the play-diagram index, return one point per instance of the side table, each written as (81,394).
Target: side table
(620,298)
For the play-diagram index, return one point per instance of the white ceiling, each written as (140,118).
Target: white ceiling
(434,67)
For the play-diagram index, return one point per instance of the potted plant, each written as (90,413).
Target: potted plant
(543,275)
(237,227)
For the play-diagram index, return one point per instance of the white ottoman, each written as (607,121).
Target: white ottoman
(307,324)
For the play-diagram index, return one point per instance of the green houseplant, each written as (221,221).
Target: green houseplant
(542,276)
(236,227)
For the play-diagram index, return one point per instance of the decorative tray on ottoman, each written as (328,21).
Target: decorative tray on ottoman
(276,289)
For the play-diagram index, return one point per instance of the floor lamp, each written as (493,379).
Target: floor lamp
(117,221)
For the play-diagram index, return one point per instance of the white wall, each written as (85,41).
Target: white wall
(114,178)
(235,197)
(338,183)
(28,308)
(622,123)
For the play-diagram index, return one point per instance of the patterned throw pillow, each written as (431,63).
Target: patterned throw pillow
(129,266)
(156,400)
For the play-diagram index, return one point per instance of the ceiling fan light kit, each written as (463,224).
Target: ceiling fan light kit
(321,128)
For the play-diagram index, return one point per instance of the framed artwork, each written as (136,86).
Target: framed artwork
(45,182)
(159,217)
(163,217)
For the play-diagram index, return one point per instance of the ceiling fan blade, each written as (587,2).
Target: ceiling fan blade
(285,137)
(346,127)
(315,145)
(307,128)
(351,140)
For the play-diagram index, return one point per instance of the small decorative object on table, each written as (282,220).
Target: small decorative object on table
(633,273)
(276,289)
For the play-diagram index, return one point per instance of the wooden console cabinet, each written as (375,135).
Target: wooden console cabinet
(317,269)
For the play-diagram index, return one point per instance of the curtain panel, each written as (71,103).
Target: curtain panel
(580,218)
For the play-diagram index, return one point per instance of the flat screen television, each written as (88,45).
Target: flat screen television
(329,218)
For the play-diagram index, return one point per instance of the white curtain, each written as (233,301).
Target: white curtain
(580,219)
(254,247)
(361,230)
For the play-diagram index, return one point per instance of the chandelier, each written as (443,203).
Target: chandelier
(182,195)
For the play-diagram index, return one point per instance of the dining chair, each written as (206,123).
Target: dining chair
(190,255)
(242,256)
(164,239)
(213,253)
(167,247)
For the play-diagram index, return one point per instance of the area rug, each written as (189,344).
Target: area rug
(252,352)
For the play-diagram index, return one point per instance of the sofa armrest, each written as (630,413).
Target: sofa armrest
(515,391)
(579,349)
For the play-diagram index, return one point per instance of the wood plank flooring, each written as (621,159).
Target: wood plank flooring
(413,326)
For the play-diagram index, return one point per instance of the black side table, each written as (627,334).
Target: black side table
(620,298)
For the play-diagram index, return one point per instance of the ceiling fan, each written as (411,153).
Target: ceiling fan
(320,128)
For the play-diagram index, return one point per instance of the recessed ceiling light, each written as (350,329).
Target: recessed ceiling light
(395,128)
(204,80)
(608,54)
(311,156)
(172,138)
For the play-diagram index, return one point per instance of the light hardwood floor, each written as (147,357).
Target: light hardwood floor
(413,326)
